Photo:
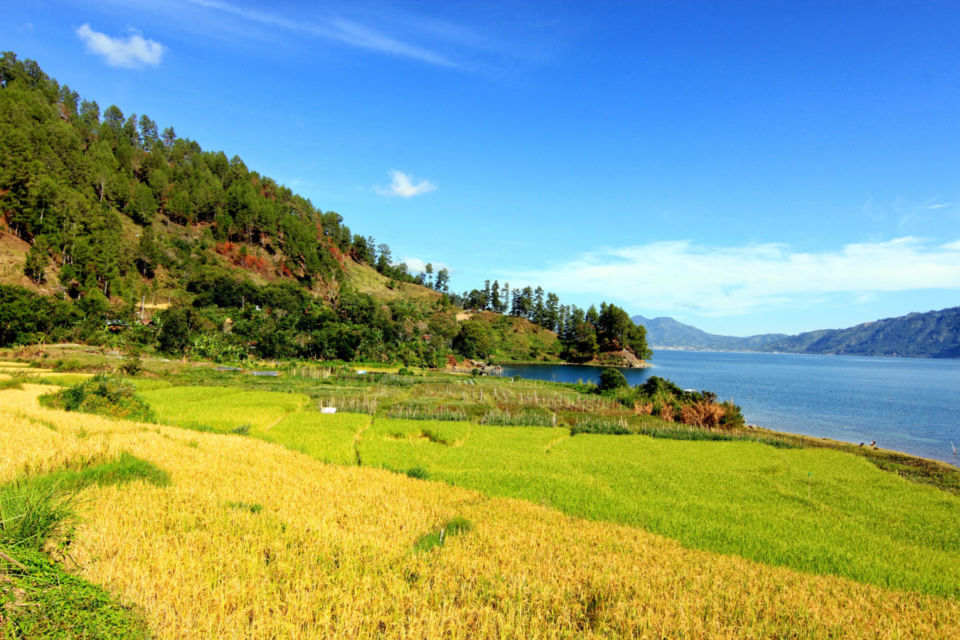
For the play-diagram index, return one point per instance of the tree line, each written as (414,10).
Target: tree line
(583,333)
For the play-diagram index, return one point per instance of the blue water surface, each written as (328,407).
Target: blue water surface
(906,404)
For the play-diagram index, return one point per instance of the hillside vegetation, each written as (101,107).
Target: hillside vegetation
(114,232)
(251,539)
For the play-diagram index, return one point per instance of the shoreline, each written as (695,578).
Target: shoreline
(907,465)
(646,365)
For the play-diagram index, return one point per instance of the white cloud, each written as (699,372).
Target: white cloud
(134,52)
(416,265)
(735,280)
(403,186)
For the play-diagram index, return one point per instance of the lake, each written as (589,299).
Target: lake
(905,404)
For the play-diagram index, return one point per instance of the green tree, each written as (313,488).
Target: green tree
(442,282)
(174,334)
(475,339)
(38,258)
(142,206)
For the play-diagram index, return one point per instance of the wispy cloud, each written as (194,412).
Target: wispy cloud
(911,213)
(133,52)
(734,280)
(336,29)
(402,185)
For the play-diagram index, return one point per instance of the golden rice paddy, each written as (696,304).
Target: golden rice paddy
(329,553)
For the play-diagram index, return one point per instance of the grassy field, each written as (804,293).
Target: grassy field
(253,540)
(814,510)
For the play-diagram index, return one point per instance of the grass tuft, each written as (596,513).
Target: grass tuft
(252,507)
(453,527)
(418,472)
(33,514)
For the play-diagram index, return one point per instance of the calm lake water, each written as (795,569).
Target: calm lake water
(906,404)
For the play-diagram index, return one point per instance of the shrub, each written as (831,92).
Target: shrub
(732,417)
(132,365)
(611,379)
(702,413)
(103,395)
(657,386)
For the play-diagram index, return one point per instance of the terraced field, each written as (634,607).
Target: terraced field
(815,510)
(250,539)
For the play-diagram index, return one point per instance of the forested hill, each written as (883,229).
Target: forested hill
(113,230)
(935,334)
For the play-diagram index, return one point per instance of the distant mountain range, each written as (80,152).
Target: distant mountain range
(668,333)
(935,334)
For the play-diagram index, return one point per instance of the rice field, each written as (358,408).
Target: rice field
(814,510)
(222,408)
(330,551)
(328,438)
(40,375)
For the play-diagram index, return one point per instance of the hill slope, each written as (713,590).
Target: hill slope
(110,220)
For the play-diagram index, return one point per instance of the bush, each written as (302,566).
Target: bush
(132,365)
(611,379)
(418,472)
(665,400)
(68,365)
(103,395)
(657,386)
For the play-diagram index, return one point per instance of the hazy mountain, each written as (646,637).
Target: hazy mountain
(934,334)
(668,333)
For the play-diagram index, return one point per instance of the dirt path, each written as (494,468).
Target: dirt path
(356,440)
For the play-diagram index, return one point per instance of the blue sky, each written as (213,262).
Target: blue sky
(744,167)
